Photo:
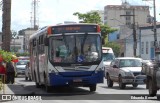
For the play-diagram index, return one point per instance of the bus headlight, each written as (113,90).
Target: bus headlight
(52,71)
(99,69)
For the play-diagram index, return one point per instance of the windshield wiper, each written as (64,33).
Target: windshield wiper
(66,44)
(84,40)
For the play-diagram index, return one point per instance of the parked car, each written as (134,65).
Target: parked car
(21,66)
(28,72)
(125,70)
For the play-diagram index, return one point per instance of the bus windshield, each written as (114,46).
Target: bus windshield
(79,48)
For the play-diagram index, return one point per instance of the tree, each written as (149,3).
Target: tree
(94,17)
(6,56)
(6,24)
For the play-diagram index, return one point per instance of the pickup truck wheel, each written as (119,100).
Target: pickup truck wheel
(152,89)
(135,85)
(109,81)
(121,84)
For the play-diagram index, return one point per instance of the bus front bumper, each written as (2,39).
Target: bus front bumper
(60,80)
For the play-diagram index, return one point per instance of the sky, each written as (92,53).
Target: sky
(51,12)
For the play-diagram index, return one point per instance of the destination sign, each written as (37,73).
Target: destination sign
(73,29)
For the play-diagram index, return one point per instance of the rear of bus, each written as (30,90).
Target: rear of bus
(75,56)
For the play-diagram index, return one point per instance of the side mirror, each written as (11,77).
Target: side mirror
(115,66)
(46,41)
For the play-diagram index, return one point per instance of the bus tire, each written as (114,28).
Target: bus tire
(47,88)
(135,85)
(37,84)
(92,88)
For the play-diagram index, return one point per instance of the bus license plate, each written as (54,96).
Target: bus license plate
(77,80)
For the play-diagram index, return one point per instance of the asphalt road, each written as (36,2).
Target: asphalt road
(102,94)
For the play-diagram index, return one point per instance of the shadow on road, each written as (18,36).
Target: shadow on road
(126,88)
(59,91)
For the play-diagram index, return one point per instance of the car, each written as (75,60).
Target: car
(21,66)
(107,55)
(125,70)
(28,72)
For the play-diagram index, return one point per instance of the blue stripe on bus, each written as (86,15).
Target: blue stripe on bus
(77,73)
(58,80)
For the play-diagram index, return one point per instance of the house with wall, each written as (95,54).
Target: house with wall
(146,48)
(145,42)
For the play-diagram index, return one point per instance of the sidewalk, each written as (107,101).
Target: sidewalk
(15,89)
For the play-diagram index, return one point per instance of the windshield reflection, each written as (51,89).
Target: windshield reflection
(78,48)
(108,56)
(130,63)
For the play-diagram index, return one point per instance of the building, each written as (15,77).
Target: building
(26,33)
(116,17)
(145,42)
(17,44)
(146,48)
(114,14)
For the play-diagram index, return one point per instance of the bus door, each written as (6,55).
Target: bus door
(37,62)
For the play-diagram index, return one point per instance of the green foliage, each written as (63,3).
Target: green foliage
(90,17)
(22,54)
(94,17)
(115,46)
(7,56)
(105,30)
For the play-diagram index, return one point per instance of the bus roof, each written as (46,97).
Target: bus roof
(45,28)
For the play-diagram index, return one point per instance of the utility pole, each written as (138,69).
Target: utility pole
(6,24)
(134,32)
(154,28)
(34,22)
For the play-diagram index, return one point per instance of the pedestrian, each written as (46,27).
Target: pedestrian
(2,72)
(10,72)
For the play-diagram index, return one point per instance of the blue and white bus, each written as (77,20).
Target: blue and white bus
(67,55)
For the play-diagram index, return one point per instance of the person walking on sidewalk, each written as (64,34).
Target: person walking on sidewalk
(10,72)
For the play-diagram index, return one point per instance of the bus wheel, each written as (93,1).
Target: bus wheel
(135,85)
(47,88)
(92,88)
(37,85)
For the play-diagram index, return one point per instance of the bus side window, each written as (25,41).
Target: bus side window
(46,41)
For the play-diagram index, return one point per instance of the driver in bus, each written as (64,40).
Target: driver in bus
(92,54)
